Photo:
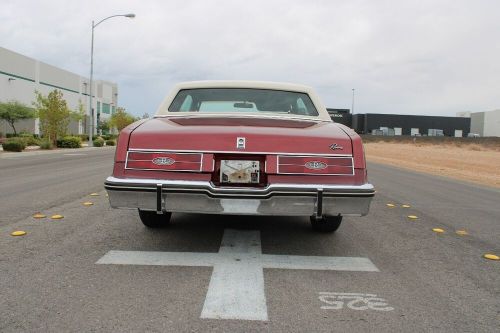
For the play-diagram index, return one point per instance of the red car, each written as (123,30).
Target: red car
(237,147)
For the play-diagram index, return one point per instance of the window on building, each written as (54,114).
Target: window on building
(106,108)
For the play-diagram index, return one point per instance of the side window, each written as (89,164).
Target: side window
(301,107)
(186,105)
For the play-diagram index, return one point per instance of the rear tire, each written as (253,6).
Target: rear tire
(326,223)
(153,220)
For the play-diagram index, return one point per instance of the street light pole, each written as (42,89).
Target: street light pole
(352,105)
(90,126)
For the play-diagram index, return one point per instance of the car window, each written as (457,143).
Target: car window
(186,104)
(301,106)
(243,100)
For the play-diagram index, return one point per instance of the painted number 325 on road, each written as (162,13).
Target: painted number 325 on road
(354,301)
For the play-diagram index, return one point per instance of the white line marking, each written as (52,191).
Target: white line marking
(319,263)
(159,258)
(236,289)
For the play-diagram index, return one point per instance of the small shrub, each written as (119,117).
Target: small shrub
(31,140)
(14,144)
(105,137)
(99,142)
(10,135)
(46,144)
(110,143)
(69,142)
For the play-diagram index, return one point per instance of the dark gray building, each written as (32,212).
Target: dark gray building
(410,124)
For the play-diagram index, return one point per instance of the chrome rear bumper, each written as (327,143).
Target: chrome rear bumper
(204,197)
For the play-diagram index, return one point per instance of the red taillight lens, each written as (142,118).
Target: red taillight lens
(164,161)
(315,165)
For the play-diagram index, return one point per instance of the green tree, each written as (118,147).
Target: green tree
(104,126)
(14,111)
(54,114)
(121,119)
(80,113)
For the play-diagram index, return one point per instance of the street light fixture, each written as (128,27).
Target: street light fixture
(352,105)
(91,112)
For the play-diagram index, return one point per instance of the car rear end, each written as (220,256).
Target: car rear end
(286,181)
(241,148)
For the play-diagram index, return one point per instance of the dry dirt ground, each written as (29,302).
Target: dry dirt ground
(471,162)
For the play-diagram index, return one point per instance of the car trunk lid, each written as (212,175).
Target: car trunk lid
(261,135)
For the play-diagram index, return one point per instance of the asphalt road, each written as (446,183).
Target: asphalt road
(50,282)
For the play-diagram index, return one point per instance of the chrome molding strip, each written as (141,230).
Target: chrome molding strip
(175,114)
(184,151)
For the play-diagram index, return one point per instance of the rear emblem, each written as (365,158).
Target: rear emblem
(335,146)
(163,161)
(240,143)
(316,165)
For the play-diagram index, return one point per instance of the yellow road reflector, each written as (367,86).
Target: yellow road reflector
(39,216)
(405,206)
(88,203)
(18,233)
(413,217)
(56,217)
(461,232)
(94,194)
(438,230)
(491,256)
(390,205)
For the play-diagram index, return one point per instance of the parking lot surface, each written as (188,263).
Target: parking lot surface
(99,269)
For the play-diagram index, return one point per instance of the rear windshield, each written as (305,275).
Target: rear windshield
(238,100)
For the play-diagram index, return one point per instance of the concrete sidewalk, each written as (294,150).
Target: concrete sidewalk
(36,152)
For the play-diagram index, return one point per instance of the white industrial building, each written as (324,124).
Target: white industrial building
(485,123)
(21,76)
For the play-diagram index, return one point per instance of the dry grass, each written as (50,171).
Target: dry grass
(469,161)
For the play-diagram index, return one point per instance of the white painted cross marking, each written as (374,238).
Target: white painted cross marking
(236,289)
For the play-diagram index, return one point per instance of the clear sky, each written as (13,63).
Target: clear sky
(410,57)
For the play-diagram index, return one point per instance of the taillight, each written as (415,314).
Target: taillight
(315,165)
(164,161)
